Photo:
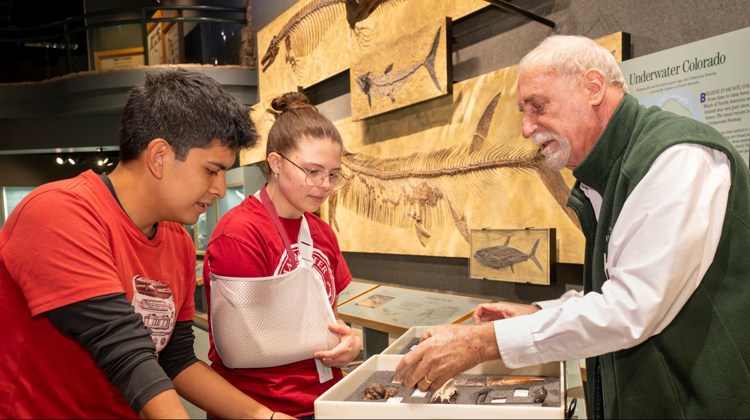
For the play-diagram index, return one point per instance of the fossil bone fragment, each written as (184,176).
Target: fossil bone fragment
(446,394)
(540,395)
(376,391)
(483,126)
(489,381)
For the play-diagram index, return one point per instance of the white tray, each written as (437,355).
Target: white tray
(333,405)
(398,346)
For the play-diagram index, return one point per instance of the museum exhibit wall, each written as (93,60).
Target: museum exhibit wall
(483,43)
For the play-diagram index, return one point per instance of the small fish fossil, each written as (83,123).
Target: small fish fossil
(391,81)
(502,256)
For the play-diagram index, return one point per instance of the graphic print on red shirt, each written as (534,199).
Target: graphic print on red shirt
(152,299)
(321,266)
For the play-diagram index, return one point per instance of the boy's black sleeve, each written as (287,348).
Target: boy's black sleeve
(180,351)
(118,341)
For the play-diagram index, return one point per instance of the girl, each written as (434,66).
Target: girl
(267,237)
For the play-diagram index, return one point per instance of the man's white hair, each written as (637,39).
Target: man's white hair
(570,55)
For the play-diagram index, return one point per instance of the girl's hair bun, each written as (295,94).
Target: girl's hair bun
(290,100)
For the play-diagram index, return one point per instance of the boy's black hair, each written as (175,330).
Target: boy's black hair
(188,110)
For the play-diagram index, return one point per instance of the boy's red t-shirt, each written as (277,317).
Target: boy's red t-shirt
(66,242)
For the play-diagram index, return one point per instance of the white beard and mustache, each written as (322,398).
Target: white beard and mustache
(559,157)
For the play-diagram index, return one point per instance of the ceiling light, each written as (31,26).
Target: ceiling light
(102,162)
(53,45)
(71,161)
(59,160)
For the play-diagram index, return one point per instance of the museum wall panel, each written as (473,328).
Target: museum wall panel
(411,230)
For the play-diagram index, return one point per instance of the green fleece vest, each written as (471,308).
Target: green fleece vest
(698,366)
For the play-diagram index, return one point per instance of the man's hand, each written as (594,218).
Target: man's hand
(344,352)
(500,310)
(444,352)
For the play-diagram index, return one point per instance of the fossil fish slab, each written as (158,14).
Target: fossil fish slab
(501,256)
(392,80)
(304,31)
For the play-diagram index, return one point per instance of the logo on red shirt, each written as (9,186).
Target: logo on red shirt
(321,266)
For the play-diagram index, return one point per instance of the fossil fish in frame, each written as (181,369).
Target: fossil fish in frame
(502,256)
(393,80)
(530,259)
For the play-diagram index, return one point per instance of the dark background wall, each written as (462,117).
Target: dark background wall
(483,42)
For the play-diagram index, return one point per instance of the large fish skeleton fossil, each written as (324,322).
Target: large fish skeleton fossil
(391,81)
(304,30)
(423,189)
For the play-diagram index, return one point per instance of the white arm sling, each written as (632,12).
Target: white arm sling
(272,321)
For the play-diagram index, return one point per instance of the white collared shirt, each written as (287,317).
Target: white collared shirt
(660,248)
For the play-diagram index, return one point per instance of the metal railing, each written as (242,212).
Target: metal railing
(58,34)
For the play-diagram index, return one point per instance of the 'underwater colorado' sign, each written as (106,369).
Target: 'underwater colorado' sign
(708,80)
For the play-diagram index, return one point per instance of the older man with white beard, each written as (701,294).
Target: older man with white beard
(664,203)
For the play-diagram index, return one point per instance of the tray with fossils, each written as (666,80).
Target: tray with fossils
(489,390)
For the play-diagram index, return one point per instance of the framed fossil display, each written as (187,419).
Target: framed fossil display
(388,77)
(155,44)
(174,43)
(514,255)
